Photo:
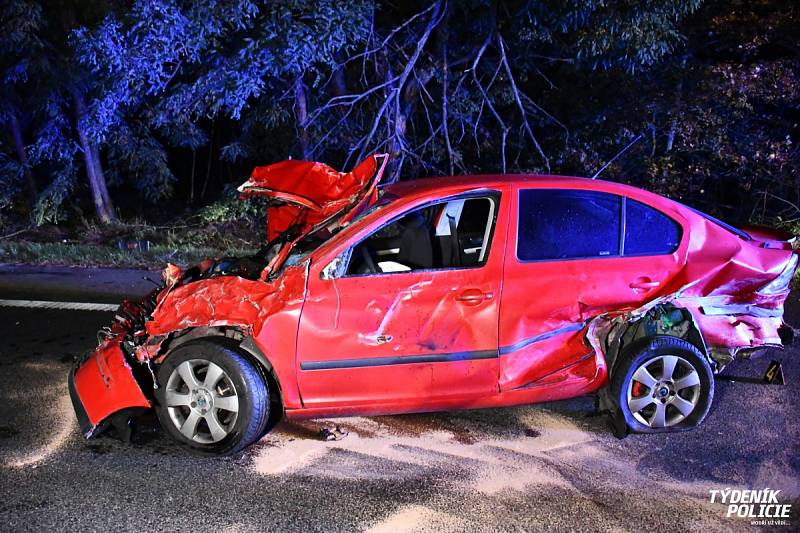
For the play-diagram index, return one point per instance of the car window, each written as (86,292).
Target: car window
(567,224)
(649,232)
(450,234)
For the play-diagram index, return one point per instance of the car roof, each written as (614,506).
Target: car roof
(448,184)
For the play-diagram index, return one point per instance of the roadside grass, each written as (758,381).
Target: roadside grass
(90,244)
(157,256)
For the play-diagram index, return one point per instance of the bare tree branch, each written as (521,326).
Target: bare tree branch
(515,91)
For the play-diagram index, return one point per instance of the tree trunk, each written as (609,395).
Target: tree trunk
(301,115)
(191,179)
(339,83)
(101,178)
(19,146)
(673,127)
(94,168)
(208,163)
(409,89)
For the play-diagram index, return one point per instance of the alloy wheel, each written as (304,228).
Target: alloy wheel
(202,401)
(663,391)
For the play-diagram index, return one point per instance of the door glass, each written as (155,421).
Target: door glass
(451,234)
(567,224)
(649,232)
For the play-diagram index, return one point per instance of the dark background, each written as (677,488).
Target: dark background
(137,119)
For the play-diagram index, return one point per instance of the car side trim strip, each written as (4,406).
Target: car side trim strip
(541,337)
(436,357)
(401,360)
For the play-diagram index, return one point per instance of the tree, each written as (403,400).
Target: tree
(446,86)
(45,89)
(20,24)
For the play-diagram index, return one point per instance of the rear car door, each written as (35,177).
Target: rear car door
(411,316)
(566,263)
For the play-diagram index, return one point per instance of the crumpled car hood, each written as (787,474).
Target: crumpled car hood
(303,195)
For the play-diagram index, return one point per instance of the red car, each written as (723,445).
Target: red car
(437,294)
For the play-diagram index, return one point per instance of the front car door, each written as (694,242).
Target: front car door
(570,257)
(405,311)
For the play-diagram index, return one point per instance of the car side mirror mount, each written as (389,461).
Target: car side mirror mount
(338,267)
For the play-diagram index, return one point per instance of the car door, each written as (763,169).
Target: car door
(565,264)
(422,328)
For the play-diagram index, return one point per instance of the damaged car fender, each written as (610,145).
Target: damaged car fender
(266,313)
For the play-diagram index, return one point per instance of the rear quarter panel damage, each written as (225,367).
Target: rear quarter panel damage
(720,287)
(723,290)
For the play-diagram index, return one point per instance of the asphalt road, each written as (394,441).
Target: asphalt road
(548,467)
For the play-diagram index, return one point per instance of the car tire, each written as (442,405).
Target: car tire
(211,398)
(662,384)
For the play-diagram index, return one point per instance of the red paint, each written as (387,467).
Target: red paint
(424,313)
(297,317)
(104,383)
(305,193)
(225,301)
(583,377)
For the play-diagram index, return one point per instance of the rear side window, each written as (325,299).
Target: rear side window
(567,224)
(649,232)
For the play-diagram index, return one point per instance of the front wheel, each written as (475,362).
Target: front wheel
(211,398)
(662,383)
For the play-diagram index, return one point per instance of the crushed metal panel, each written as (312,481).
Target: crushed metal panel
(303,194)
(542,355)
(103,385)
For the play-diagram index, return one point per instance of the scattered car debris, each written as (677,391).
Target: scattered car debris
(335,433)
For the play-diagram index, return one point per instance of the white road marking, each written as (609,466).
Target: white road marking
(72,306)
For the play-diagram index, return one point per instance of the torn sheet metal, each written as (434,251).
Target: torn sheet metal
(303,194)
(226,301)
(102,385)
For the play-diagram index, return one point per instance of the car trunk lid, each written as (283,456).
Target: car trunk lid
(770,237)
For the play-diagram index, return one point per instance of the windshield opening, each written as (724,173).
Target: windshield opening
(317,238)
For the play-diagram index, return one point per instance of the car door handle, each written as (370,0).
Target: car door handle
(643,284)
(474,296)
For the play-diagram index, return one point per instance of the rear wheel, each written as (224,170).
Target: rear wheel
(211,398)
(662,383)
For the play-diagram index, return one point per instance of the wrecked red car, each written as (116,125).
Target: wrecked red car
(437,294)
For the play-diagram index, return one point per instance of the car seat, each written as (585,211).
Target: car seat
(416,249)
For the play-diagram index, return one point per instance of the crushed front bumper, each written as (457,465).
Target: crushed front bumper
(103,383)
